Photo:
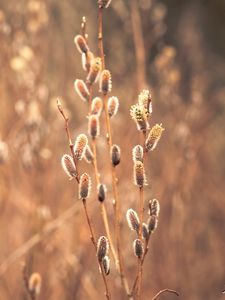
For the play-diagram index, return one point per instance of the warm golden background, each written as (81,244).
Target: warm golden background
(174,48)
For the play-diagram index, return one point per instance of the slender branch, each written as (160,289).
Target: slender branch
(109,142)
(66,119)
(107,293)
(165,291)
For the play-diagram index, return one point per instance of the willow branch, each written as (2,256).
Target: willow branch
(165,291)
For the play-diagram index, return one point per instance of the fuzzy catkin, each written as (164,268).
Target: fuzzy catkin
(152,223)
(154,207)
(105,84)
(102,247)
(101,192)
(96,106)
(138,248)
(113,105)
(84,186)
(93,126)
(86,60)
(95,68)
(137,153)
(145,231)
(68,166)
(80,146)
(132,219)
(139,174)
(115,155)
(81,89)
(88,155)
(154,137)
(81,44)
(106,265)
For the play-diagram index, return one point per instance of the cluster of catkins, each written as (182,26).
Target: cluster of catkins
(147,228)
(102,254)
(141,113)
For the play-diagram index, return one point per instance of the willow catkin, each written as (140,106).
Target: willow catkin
(95,68)
(106,264)
(86,60)
(80,146)
(84,186)
(103,3)
(154,137)
(137,153)
(115,155)
(138,248)
(93,126)
(113,105)
(81,44)
(81,89)
(152,223)
(132,219)
(34,284)
(140,115)
(145,231)
(88,155)
(102,247)
(139,174)
(154,207)
(68,166)
(145,99)
(96,106)
(105,83)
(101,192)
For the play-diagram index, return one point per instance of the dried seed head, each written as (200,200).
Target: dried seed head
(101,192)
(152,223)
(88,155)
(84,186)
(115,155)
(68,166)
(138,153)
(103,3)
(113,105)
(139,174)
(145,99)
(95,68)
(145,231)
(96,106)
(81,44)
(133,220)
(34,283)
(106,265)
(140,114)
(86,59)
(138,248)
(154,137)
(154,207)
(93,126)
(105,82)
(102,248)
(81,89)
(80,146)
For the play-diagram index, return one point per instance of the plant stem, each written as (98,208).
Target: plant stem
(109,142)
(107,293)
(165,291)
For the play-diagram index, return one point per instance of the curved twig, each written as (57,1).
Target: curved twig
(165,291)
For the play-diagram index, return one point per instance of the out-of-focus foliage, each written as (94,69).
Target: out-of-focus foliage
(183,66)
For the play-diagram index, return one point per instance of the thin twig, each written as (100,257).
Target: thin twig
(66,119)
(165,291)
(107,293)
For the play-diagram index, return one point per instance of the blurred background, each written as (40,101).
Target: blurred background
(174,48)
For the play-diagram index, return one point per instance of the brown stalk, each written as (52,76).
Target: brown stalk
(66,119)
(83,200)
(165,291)
(114,179)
